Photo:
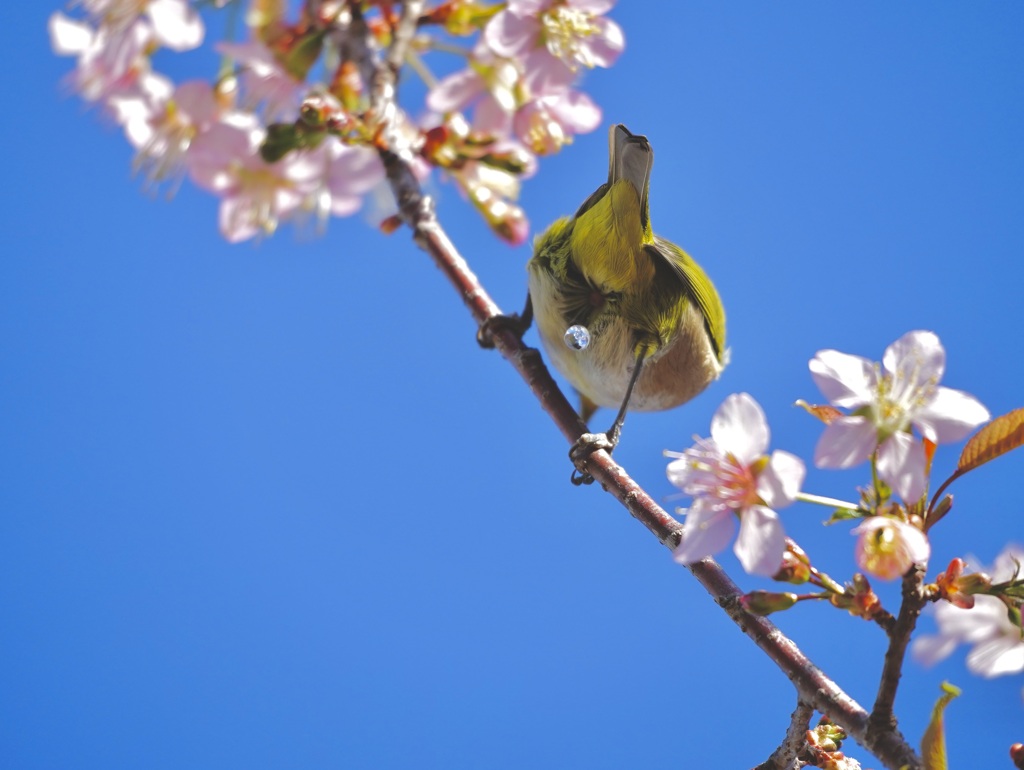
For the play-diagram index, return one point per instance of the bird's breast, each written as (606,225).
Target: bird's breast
(683,367)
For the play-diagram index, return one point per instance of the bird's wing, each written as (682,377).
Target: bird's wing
(699,288)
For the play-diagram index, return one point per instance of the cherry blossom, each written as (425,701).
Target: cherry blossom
(265,82)
(887,401)
(173,24)
(996,641)
(728,475)
(489,84)
(887,547)
(256,195)
(570,33)
(525,100)
(161,120)
(107,63)
(345,175)
(514,98)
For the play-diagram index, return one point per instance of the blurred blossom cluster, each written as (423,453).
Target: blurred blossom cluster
(891,414)
(288,128)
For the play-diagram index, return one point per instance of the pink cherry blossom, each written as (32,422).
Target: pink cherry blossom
(489,84)
(256,195)
(344,175)
(107,63)
(265,82)
(997,644)
(114,43)
(513,98)
(728,475)
(887,548)
(888,400)
(173,24)
(571,33)
(548,123)
(160,121)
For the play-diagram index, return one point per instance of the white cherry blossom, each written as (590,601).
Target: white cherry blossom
(729,476)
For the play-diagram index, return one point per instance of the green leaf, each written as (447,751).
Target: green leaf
(843,514)
(303,55)
(933,743)
(281,139)
(995,439)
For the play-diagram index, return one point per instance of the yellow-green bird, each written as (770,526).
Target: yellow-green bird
(629,318)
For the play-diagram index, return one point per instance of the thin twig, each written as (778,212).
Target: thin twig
(387,117)
(883,719)
(784,757)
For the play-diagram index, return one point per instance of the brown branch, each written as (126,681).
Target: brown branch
(417,211)
(784,757)
(393,129)
(883,719)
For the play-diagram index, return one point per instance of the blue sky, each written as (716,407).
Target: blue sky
(268,505)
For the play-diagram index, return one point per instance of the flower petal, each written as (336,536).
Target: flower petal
(511,35)
(847,381)
(845,442)
(490,117)
(176,24)
(779,482)
(997,657)
(761,542)
(950,416)
(977,624)
(705,532)
(606,46)
(596,7)
(576,111)
(455,91)
(545,75)
(901,465)
(929,650)
(917,355)
(67,36)
(739,427)
(1006,564)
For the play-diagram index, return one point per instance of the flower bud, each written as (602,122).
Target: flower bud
(887,548)
(1017,755)
(959,589)
(793,570)
(766,602)
(858,599)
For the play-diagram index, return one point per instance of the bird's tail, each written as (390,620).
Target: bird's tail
(630,157)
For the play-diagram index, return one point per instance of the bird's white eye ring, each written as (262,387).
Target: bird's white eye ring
(577,337)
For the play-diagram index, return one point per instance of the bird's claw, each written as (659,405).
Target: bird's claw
(580,452)
(513,322)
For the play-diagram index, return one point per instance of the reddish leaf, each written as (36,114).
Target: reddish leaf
(995,439)
(823,412)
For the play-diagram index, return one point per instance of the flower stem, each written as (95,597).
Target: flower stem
(830,502)
(437,45)
(416,64)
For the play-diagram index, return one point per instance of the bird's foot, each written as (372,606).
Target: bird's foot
(513,322)
(580,452)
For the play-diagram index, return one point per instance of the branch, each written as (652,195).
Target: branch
(417,211)
(784,757)
(882,717)
(816,689)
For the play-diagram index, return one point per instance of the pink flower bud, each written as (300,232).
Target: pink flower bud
(888,548)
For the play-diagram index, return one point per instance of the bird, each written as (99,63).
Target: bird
(629,318)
